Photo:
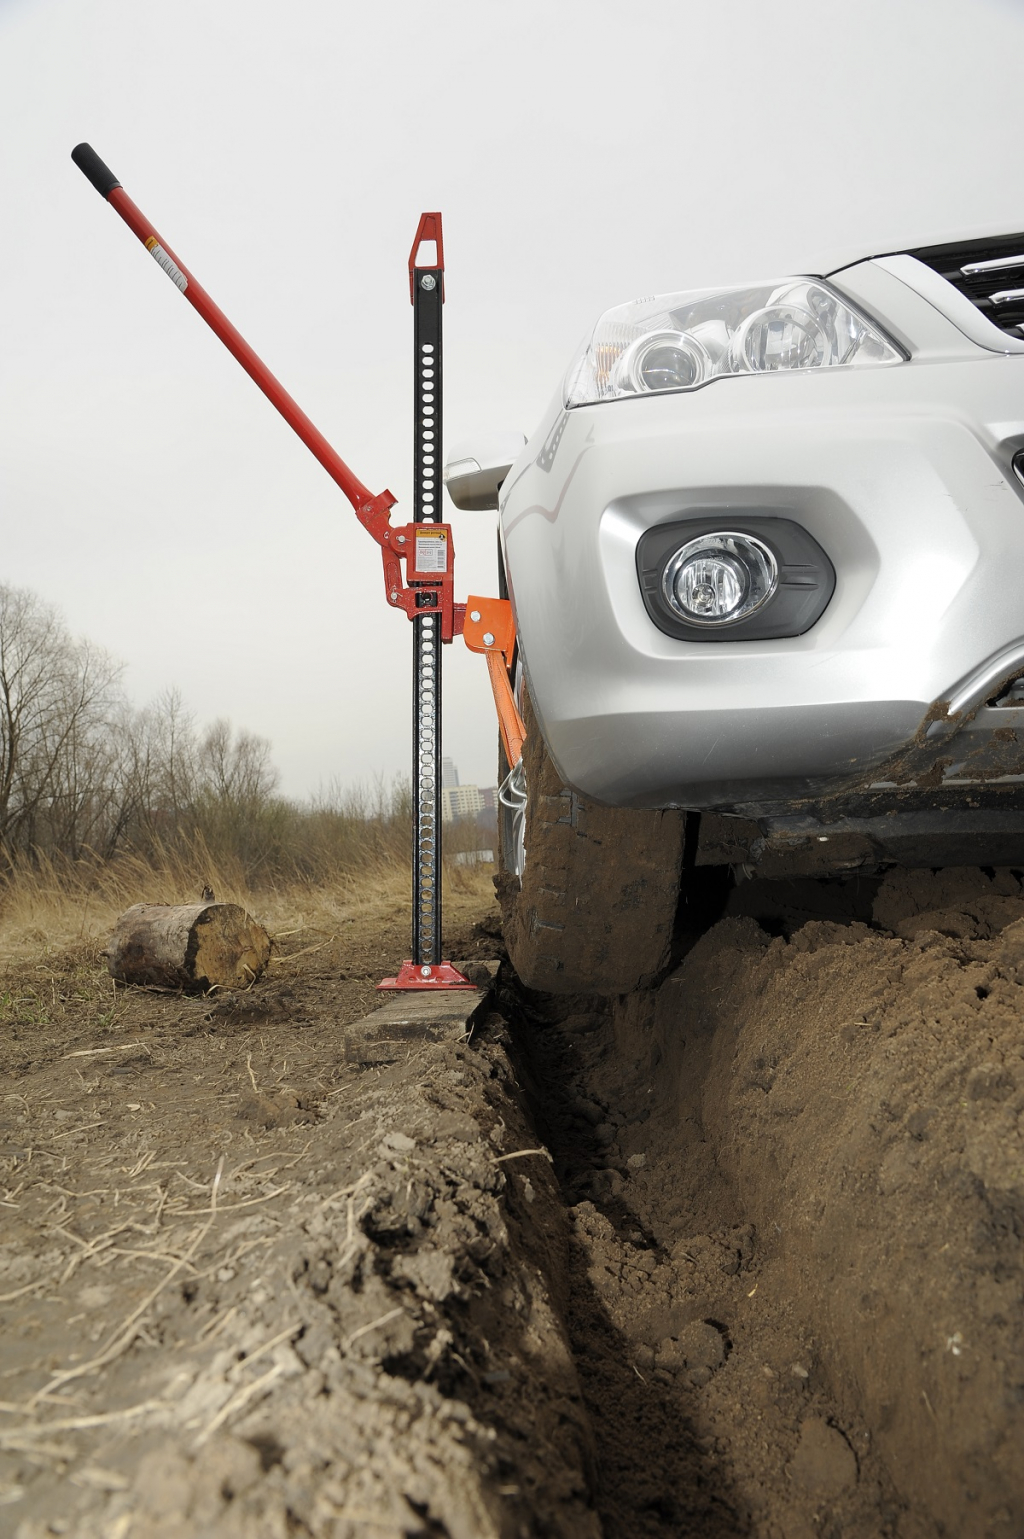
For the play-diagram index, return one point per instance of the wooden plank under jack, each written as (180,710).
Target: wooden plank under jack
(388,1034)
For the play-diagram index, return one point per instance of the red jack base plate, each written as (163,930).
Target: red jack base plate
(440,975)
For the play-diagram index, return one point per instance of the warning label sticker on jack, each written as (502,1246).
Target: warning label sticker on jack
(170,267)
(431,550)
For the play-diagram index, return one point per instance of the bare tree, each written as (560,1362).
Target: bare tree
(236,768)
(56,695)
(81,769)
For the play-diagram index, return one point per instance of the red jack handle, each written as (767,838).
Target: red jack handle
(371,511)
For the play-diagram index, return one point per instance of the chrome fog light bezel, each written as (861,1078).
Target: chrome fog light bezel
(755,559)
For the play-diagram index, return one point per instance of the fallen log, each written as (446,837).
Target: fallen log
(190,946)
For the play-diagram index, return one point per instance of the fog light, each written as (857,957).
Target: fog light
(717,579)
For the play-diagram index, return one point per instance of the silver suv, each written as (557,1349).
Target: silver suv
(766,558)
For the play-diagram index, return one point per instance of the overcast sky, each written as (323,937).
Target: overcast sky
(582,152)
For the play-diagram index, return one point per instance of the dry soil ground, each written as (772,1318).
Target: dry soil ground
(741,1255)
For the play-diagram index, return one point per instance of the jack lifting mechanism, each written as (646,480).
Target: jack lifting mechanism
(426,590)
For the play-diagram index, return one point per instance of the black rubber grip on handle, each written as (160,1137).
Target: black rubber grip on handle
(101,176)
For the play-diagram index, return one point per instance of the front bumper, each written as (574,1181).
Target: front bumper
(901,473)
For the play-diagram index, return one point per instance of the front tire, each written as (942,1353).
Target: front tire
(594,908)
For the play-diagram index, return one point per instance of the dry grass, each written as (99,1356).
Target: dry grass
(53,907)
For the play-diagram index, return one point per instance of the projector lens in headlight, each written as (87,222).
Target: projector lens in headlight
(682,341)
(665,360)
(719,578)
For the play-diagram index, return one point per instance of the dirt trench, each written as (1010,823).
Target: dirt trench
(738,1255)
(795,1173)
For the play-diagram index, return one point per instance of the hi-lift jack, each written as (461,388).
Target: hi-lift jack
(426,590)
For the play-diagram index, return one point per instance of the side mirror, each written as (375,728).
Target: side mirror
(474,470)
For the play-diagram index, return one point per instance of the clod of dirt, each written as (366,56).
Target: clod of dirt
(699,1348)
(702,1345)
(824,1462)
(272,1111)
(430,1272)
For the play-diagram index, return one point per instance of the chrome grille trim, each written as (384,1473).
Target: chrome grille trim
(973,268)
(999,265)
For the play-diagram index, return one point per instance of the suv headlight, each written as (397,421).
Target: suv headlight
(683,341)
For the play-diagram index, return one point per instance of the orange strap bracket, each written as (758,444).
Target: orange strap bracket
(490,628)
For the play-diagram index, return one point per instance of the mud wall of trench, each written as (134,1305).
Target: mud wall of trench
(855,1090)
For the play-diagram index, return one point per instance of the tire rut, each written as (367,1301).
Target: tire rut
(657,1475)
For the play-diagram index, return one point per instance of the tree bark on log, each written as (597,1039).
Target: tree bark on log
(190,946)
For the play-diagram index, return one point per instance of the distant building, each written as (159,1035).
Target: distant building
(464,801)
(460,802)
(449,773)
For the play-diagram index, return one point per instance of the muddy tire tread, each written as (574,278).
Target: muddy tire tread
(603,880)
